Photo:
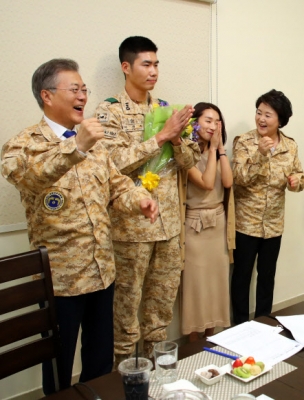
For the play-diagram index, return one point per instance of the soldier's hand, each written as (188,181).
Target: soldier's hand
(149,208)
(174,126)
(293,181)
(89,132)
(265,144)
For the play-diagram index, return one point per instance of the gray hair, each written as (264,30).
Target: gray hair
(45,77)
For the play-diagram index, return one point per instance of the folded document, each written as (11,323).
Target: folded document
(257,340)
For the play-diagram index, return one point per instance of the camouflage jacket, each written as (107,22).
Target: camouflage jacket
(124,126)
(260,183)
(66,196)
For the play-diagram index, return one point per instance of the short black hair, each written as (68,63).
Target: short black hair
(45,76)
(279,102)
(130,47)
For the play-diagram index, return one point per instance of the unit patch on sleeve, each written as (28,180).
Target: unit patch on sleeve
(53,201)
(103,117)
(131,124)
(110,134)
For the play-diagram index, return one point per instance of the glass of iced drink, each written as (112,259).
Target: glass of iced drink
(165,356)
(135,377)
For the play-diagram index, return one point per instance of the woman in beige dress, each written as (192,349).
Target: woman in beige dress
(206,300)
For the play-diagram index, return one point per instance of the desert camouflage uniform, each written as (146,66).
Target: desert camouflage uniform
(260,183)
(143,252)
(76,233)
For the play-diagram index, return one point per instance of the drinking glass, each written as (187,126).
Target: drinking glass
(165,356)
(135,377)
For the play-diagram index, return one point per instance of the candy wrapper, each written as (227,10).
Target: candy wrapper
(164,163)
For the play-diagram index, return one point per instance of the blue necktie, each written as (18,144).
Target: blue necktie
(68,134)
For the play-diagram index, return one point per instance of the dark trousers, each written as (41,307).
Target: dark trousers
(247,249)
(94,313)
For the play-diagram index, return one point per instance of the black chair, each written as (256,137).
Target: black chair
(39,320)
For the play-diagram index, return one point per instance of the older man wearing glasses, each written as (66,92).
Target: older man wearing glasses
(66,181)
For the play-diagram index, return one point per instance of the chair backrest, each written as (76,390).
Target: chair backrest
(39,320)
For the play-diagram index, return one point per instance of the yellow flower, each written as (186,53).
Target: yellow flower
(149,181)
(155,105)
(189,129)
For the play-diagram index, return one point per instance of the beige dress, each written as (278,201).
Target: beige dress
(206,300)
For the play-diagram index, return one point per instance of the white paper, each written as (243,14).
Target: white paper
(264,397)
(265,328)
(295,324)
(250,339)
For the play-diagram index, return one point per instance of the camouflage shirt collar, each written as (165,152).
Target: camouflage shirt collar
(44,129)
(283,143)
(131,107)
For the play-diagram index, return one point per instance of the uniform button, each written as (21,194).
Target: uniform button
(184,204)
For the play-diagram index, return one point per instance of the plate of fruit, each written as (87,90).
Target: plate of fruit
(246,369)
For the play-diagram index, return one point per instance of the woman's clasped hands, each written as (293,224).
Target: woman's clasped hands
(216,141)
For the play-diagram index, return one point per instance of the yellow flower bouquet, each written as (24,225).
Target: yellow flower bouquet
(164,162)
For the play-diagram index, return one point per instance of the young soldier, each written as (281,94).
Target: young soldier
(144,254)
(66,183)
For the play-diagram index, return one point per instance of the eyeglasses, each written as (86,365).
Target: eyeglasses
(86,91)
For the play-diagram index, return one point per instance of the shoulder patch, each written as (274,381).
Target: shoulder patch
(103,117)
(112,100)
(110,134)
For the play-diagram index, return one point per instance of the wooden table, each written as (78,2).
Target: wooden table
(288,387)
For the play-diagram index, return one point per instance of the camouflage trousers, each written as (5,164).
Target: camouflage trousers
(146,273)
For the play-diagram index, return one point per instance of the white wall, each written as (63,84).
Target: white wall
(34,31)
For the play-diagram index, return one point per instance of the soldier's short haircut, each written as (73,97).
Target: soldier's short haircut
(279,102)
(45,76)
(130,47)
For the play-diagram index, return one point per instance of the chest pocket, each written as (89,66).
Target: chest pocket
(67,181)
(279,176)
(252,149)
(102,175)
(103,195)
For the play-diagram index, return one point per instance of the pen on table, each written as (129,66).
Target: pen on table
(220,353)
